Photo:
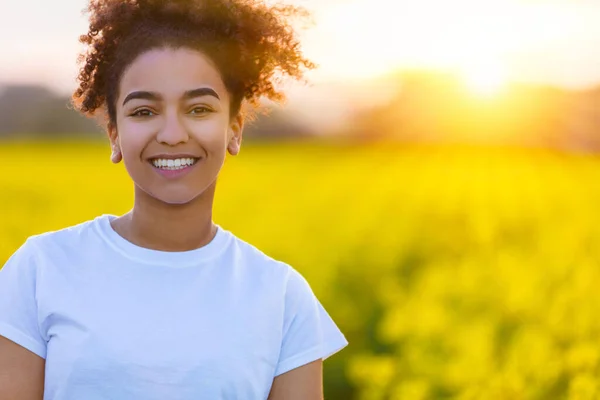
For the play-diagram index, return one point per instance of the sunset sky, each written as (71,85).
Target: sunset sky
(488,43)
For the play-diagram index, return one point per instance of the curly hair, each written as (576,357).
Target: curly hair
(252,45)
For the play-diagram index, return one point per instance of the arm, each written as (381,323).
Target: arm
(309,337)
(21,372)
(302,383)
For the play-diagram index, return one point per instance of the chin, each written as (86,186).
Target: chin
(174,197)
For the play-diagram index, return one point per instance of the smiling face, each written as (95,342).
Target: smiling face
(173,105)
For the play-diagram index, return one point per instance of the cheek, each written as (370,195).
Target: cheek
(211,134)
(134,137)
(132,150)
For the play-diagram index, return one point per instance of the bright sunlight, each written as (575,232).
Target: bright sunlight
(485,42)
(486,80)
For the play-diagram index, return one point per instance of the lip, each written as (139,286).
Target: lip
(176,173)
(172,156)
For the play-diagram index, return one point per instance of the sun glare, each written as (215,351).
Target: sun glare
(482,41)
(485,80)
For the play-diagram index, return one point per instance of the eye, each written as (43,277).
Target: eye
(200,110)
(143,112)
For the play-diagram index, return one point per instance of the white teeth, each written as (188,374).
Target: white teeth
(173,164)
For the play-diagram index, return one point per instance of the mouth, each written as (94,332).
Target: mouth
(172,168)
(173,164)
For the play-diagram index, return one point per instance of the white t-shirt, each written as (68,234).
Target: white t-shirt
(116,321)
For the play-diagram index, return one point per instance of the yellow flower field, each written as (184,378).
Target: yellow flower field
(455,272)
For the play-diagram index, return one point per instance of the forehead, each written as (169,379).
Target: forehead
(171,72)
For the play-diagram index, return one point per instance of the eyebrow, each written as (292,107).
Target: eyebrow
(190,94)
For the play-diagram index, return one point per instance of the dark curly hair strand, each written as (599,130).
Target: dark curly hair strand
(252,45)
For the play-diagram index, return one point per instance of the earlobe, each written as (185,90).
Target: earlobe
(116,155)
(236,135)
(234,145)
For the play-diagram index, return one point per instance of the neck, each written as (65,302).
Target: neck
(168,227)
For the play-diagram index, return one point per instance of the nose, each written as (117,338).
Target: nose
(173,131)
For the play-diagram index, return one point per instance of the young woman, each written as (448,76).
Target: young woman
(161,302)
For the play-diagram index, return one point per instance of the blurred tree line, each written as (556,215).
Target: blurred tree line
(33,111)
(428,106)
(440,108)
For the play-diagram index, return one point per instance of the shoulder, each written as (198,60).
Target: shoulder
(60,240)
(256,257)
(259,262)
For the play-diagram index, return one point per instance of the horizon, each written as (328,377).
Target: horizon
(358,44)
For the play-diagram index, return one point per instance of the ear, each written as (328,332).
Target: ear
(113,136)
(236,127)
